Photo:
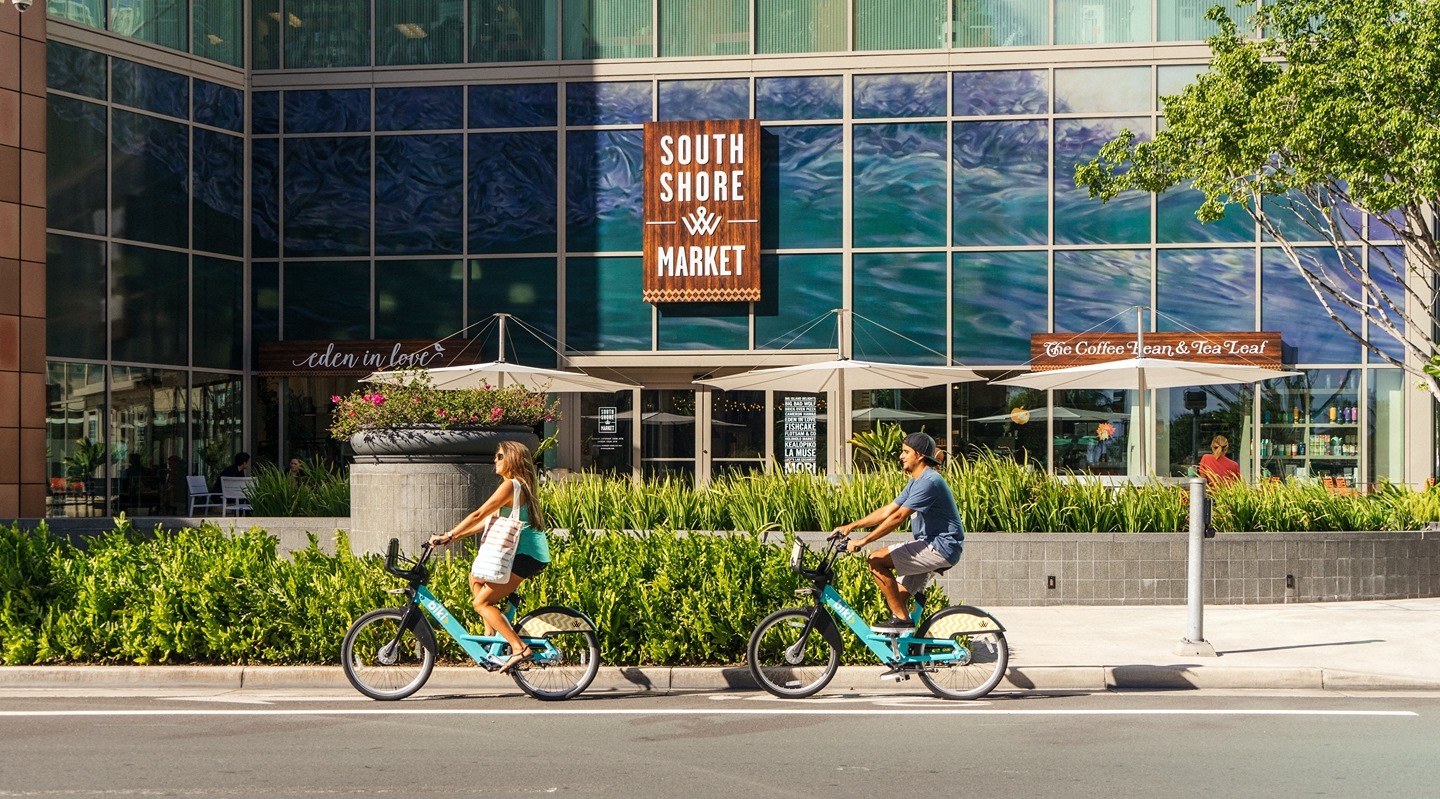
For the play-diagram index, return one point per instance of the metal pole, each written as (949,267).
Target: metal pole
(1194,642)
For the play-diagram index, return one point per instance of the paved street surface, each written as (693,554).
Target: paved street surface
(87,742)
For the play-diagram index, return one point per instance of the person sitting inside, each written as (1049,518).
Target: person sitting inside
(236,469)
(1216,467)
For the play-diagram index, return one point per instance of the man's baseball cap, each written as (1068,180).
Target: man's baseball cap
(924,446)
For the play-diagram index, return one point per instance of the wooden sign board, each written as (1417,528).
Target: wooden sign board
(702,211)
(344,358)
(1059,350)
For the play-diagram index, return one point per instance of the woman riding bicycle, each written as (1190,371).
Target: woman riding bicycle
(514,463)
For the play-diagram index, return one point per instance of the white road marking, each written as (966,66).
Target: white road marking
(713,711)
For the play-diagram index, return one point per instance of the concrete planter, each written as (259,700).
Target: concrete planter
(428,443)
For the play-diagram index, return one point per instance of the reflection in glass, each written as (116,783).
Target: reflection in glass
(1205,289)
(704,99)
(1175,219)
(606,29)
(1079,219)
(606,433)
(419,178)
(900,184)
(327,33)
(802,194)
(512,30)
(154,21)
(1387,266)
(737,428)
(807,97)
(217,206)
(1001,23)
(800,26)
(218,319)
(150,305)
(1008,91)
(1287,304)
(517,105)
(148,418)
(75,297)
(74,69)
(327,301)
(603,309)
(716,27)
(1386,426)
(75,443)
(526,289)
(1310,426)
(919,95)
(1001,182)
(327,111)
(217,405)
(150,171)
(1001,299)
(1008,421)
(1109,22)
(407,32)
(667,432)
(1099,90)
(75,184)
(901,24)
(1092,434)
(1185,20)
(604,193)
(1192,416)
(265,28)
(513,185)
(85,12)
(797,293)
(420,108)
(914,410)
(327,196)
(703,326)
(607,103)
(220,30)
(418,299)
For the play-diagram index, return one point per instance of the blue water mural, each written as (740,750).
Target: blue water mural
(1287,304)
(419,299)
(419,196)
(885,96)
(150,88)
(1386,265)
(525,288)
(264,113)
(326,300)
(810,97)
(703,326)
(265,198)
(1205,289)
(525,105)
(1098,289)
(603,306)
(219,106)
(704,99)
(420,108)
(150,179)
(327,196)
(513,192)
(1002,182)
(1000,300)
(797,293)
(893,293)
(607,103)
(604,192)
(75,70)
(1079,219)
(1103,90)
(218,202)
(899,184)
(1175,220)
(802,203)
(327,111)
(1007,91)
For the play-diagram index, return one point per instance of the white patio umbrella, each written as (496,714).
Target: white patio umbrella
(842,374)
(1060,412)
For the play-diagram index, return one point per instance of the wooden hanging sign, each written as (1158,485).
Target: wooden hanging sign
(1059,350)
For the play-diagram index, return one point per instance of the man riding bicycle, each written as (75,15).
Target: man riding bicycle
(939,533)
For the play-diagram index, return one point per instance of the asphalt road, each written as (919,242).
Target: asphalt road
(276,744)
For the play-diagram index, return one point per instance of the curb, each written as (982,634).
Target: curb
(677,679)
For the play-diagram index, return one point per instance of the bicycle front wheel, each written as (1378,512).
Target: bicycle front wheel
(983,654)
(385,661)
(569,664)
(784,664)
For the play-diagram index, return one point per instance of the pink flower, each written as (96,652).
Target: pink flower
(335,398)
(496,413)
(474,418)
(441,414)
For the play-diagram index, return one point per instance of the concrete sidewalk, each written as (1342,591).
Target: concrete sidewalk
(1337,646)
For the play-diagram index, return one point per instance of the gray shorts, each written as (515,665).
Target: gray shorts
(915,562)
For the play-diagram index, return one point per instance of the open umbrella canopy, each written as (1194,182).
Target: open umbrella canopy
(502,374)
(843,374)
(1060,412)
(1145,374)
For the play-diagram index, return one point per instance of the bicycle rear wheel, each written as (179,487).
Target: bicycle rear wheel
(785,665)
(980,670)
(571,667)
(384,661)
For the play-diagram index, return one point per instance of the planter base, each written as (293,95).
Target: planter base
(411,501)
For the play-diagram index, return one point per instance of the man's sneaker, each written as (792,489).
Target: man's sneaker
(894,624)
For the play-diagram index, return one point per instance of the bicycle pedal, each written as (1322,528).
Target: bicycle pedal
(896,674)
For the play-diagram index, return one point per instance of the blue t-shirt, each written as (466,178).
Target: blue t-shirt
(935,520)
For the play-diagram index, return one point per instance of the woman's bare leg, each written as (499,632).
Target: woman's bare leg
(487,603)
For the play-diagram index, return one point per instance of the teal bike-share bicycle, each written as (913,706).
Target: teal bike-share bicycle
(959,652)
(389,653)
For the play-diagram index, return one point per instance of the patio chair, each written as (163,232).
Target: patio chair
(201,497)
(232,495)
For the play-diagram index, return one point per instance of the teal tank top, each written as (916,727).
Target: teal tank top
(532,542)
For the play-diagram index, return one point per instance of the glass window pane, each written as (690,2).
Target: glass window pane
(156,21)
(265,198)
(327,196)
(716,27)
(1002,182)
(982,421)
(150,305)
(889,288)
(75,69)
(219,106)
(901,24)
(150,174)
(1208,289)
(738,425)
(879,96)
(264,304)
(526,289)
(607,103)
(265,28)
(1009,91)
(1184,20)
(85,12)
(150,89)
(1171,80)
(1175,219)
(407,32)
(219,31)
(1387,425)
(327,111)
(264,113)
(217,405)
(1089,22)
(219,323)
(704,99)
(667,428)
(603,310)
(1287,304)
(513,199)
(218,207)
(419,299)
(522,105)
(74,438)
(800,26)
(75,297)
(1001,23)
(606,452)
(1001,299)
(514,30)
(606,29)
(1094,288)
(75,185)
(704,326)
(148,420)
(327,301)
(1102,90)
(327,33)
(419,177)
(1079,219)
(816,97)
(899,185)
(604,193)
(1387,268)
(797,294)
(800,443)
(802,192)
(420,108)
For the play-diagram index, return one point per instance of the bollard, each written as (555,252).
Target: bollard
(1194,643)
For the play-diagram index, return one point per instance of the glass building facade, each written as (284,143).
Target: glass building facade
(391,169)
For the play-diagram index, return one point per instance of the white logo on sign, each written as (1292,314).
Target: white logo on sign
(701,222)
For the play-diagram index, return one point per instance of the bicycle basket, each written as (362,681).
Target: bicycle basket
(394,561)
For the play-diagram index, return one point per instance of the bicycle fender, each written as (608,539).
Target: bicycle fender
(415,621)
(961,620)
(825,623)
(552,619)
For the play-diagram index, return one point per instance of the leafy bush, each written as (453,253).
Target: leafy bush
(413,400)
(320,490)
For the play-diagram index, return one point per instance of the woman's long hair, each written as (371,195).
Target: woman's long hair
(520,463)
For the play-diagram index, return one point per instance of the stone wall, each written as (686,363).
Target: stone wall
(410,501)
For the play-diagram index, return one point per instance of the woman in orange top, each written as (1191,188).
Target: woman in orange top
(1216,467)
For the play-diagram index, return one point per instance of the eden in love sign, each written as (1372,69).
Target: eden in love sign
(702,211)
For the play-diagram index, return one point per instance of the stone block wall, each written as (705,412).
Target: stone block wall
(410,501)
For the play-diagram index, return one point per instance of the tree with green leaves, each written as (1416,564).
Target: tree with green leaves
(1331,119)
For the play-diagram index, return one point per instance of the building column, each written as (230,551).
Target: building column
(22,263)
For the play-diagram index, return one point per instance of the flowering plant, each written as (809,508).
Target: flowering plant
(1104,431)
(412,400)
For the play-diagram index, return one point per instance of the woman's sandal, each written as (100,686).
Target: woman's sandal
(515,660)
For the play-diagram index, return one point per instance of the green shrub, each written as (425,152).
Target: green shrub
(320,490)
